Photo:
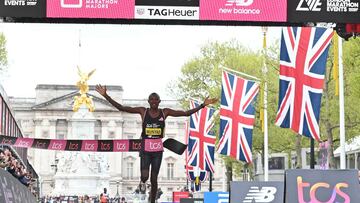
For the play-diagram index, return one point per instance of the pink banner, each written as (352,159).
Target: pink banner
(244,10)
(124,145)
(89,145)
(121,145)
(90,9)
(24,142)
(153,145)
(57,144)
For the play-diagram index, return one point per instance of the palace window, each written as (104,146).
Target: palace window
(170,171)
(130,169)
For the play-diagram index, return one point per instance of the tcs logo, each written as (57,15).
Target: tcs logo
(155,146)
(336,191)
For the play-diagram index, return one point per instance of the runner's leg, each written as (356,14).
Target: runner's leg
(145,160)
(155,168)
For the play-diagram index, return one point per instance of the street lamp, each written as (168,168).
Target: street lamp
(117,189)
(264,30)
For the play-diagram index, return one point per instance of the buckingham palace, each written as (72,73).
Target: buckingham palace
(49,116)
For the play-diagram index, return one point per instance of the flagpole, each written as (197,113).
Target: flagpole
(265,70)
(210,183)
(241,73)
(341,106)
(312,153)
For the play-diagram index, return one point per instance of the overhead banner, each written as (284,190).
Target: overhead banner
(23,8)
(243,10)
(90,9)
(165,9)
(336,11)
(270,191)
(309,185)
(12,191)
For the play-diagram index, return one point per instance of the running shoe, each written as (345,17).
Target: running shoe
(142,187)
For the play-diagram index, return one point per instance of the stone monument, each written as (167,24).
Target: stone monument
(81,173)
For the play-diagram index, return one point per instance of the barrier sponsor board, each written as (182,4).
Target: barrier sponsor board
(249,192)
(322,186)
(178,195)
(337,11)
(165,9)
(216,197)
(12,191)
(243,10)
(191,200)
(90,9)
(23,8)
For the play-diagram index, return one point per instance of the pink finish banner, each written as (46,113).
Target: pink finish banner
(121,145)
(244,10)
(153,145)
(56,144)
(89,145)
(90,9)
(24,142)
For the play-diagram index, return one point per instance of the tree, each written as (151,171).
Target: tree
(3,54)
(329,118)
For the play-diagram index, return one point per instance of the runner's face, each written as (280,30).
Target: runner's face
(154,101)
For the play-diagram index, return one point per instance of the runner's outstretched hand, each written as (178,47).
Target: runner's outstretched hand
(101,89)
(208,101)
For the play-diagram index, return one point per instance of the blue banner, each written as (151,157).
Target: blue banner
(216,197)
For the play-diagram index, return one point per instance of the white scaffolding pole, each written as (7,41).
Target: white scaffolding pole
(341,106)
(266,146)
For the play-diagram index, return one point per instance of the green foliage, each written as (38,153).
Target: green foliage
(3,53)
(351,57)
(329,117)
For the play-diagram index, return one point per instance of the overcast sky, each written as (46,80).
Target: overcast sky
(140,58)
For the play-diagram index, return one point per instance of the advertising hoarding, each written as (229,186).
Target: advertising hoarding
(90,9)
(337,11)
(309,185)
(243,10)
(167,9)
(23,8)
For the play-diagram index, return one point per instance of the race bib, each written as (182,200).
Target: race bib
(153,145)
(153,131)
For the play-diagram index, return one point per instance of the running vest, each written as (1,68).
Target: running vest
(153,127)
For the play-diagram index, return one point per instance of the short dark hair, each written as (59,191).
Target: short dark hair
(154,94)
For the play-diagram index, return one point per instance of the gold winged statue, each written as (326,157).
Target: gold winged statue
(83,90)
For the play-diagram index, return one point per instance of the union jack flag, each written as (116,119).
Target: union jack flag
(303,56)
(192,172)
(201,144)
(237,116)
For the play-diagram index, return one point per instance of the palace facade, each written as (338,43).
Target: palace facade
(49,115)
